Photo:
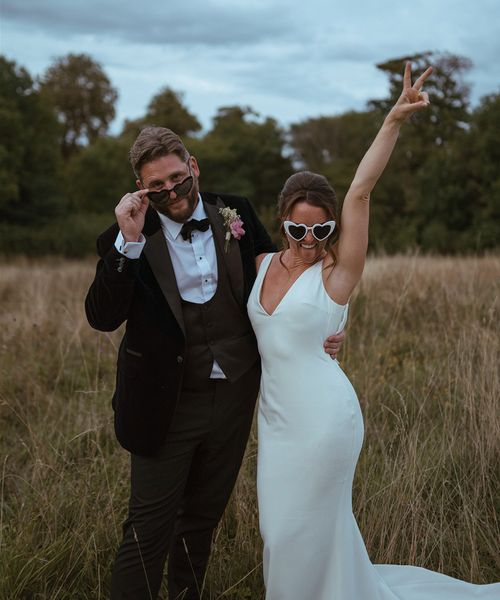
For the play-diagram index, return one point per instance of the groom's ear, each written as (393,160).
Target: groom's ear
(193,163)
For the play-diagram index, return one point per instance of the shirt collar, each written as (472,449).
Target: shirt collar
(172,229)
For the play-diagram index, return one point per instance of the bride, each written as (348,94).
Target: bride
(310,423)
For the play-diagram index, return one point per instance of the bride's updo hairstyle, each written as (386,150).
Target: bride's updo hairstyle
(314,189)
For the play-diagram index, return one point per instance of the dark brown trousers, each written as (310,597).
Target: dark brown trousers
(178,496)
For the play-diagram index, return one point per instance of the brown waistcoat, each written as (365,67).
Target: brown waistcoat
(218,329)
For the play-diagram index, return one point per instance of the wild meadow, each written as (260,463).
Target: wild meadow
(422,350)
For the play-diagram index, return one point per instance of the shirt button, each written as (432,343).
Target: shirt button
(180,359)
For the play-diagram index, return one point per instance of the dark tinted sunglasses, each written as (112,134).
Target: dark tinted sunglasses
(298,231)
(180,189)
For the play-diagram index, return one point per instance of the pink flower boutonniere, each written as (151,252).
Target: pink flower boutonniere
(233,225)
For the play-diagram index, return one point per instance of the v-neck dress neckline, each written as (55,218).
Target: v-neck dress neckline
(264,268)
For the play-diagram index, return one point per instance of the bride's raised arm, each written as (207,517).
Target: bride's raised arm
(353,240)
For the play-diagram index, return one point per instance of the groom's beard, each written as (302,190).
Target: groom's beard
(180,209)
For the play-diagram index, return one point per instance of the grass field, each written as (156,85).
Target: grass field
(423,352)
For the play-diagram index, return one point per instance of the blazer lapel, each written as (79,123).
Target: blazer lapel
(232,258)
(161,264)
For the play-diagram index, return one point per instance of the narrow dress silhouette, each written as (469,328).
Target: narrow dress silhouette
(310,432)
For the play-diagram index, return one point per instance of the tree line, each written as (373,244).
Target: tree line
(62,173)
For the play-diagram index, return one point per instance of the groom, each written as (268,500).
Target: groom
(178,271)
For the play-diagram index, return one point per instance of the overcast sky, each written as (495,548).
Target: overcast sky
(287,60)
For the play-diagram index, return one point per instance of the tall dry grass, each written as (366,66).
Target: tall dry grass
(423,352)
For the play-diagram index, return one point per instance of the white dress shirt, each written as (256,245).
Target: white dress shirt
(194,263)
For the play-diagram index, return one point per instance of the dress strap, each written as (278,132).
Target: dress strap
(264,265)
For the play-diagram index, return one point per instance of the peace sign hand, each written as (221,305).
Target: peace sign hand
(412,98)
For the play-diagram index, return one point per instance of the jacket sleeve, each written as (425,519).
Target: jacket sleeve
(110,294)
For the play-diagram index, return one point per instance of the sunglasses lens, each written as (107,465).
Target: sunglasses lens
(183,188)
(158,196)
(297,231)
(321,232)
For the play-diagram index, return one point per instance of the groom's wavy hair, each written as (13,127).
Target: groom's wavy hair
(314,189)
(152,143)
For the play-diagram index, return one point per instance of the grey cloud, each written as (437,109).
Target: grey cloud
(203,23)
(304,58)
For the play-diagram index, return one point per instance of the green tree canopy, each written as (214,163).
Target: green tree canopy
(406,200)
(83,99)
(99,175)
(166,109)
(464,183)
(29,154)
(450,95)
(334,146)
(440,191)
(405,203)
(243,154)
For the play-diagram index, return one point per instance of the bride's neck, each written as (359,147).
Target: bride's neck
(294,262)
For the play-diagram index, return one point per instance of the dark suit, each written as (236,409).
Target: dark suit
(173,471)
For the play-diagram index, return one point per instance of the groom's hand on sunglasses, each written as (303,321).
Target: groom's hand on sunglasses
(130,214)
(333,343)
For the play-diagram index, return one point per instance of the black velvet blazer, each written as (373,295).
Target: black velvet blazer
(143,292)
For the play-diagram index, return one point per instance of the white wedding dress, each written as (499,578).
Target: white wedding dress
(310,432)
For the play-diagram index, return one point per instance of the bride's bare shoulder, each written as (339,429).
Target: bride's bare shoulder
(259,258)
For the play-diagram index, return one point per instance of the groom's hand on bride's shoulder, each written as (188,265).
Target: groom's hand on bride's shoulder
(333,344)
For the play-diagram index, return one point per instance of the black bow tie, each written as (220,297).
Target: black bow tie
(190,226)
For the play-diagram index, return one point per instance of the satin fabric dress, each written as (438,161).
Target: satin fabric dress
(310,433)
